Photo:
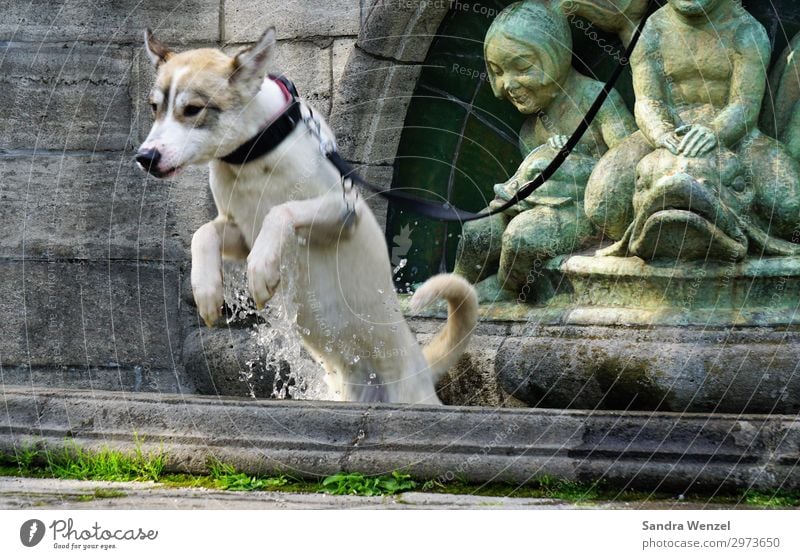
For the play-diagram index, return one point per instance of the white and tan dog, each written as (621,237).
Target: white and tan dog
(206,105)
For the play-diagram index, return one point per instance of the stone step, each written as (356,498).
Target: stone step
(668,451)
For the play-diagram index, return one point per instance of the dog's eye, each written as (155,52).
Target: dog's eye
(192,110)
(154,107)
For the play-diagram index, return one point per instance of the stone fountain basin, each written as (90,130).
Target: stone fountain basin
(630,450)
(621,334)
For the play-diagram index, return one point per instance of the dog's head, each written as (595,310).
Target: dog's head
(203,104)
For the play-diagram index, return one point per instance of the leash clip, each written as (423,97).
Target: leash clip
(326,145)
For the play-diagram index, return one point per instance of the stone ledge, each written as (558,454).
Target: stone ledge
(741,370)
(127,379)
(636,450)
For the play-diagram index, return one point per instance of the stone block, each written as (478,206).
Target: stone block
(342,49)
(380,176)
(401,29)
(309,67)
(121,21)
(369,108)
(89,314)
(98,206)
(53,97)
(257,362)
(245,21)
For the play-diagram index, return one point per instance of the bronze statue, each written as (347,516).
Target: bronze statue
(528,52)
(699,75)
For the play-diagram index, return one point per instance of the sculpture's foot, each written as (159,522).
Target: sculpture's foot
(490,291)
(620,248)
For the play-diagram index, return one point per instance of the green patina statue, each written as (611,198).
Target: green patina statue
(528,52)
(781,117)
(700,181)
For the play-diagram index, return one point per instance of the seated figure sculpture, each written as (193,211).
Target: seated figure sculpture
(528,52)
(781,116)
(699,180)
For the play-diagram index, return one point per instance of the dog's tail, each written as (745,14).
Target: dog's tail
(446,348)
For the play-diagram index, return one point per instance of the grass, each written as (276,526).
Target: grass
(73,462)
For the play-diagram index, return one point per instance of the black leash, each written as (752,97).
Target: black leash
(446,212)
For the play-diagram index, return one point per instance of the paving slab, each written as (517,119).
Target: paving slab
(27,493)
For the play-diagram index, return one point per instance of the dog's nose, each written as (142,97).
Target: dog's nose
(149,159)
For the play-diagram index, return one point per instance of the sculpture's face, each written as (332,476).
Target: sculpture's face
(694,8)
(518,75)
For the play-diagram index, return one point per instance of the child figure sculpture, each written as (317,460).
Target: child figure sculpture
(528,52)
(699,73)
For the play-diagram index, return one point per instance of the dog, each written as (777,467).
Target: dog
(211,108)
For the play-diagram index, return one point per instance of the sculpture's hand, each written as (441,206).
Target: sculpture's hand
(698,141)
(505,190)
(557,142)
(671,141)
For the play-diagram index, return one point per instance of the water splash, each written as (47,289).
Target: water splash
(279,349)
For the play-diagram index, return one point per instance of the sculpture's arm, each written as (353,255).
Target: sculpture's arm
(748,82)
(652,109)
(616,121)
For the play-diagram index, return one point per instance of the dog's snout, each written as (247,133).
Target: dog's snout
(148,159)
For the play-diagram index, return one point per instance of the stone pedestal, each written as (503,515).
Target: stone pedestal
(619,333)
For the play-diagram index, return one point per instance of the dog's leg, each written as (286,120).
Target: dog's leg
(328,218)
(210,243)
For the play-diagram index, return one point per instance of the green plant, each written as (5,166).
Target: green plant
(226,477)
(772,499)
(359,484)
(556,488)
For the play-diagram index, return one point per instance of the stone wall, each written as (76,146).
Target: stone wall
(94,256)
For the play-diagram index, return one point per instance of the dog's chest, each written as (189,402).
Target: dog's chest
(248,198)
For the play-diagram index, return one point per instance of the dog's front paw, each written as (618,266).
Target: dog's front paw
(209,301)
(263,276)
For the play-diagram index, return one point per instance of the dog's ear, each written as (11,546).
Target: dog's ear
(156,50)
(250,64)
